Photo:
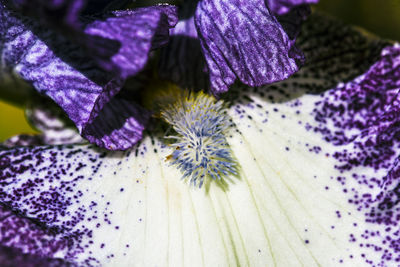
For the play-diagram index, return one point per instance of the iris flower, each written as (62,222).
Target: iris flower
(95,52)
(315,181)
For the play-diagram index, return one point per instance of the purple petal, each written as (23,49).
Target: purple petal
(118,126)
(243,40)
(281,7)
(62,71)
(136,33)
(119,41)
(182,60)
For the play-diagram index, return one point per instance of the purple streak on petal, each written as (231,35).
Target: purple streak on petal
(62,71)
(182,60)
(243,40)
(281,7)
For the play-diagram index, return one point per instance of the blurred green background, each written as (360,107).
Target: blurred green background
(381,17)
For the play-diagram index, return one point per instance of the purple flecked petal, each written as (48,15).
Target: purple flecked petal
(281,7)
(26,243)
(62,71)
(242,40)
(361,119)
(182,60)
(67,223)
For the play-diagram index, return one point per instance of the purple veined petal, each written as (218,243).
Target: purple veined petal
(288,209)
(281,7)
(243,41)
(62,71)
(182,60)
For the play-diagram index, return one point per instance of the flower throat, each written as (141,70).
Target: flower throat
(200,123)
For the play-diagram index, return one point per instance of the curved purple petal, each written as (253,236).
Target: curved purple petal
(118,126)
(62,70)
(135,33)
(242,40)
(118,41)
(281,7)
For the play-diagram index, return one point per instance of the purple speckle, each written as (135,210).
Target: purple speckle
(361,118)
